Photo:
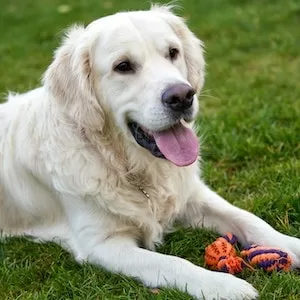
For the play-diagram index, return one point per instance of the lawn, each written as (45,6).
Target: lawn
(250,124)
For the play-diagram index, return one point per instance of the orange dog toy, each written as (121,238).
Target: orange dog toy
(221,255)
(268,259)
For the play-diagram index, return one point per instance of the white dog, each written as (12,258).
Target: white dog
(103,158)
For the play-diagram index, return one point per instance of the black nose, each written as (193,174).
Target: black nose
(178,97)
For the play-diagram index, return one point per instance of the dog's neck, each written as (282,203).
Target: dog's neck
(111,143)
(133,165)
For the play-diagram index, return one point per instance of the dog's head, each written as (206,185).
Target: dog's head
(144,69)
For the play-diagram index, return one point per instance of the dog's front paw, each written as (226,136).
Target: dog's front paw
(217,285)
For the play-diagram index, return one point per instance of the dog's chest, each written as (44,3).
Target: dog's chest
(165,196)
(162,202)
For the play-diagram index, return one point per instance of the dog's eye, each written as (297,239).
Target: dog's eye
(173,53)
(124,67)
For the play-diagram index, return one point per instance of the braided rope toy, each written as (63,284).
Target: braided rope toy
(268,259)
(221,256)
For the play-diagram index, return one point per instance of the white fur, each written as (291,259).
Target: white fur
(71,171)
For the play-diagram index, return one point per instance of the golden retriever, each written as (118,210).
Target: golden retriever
(102,158)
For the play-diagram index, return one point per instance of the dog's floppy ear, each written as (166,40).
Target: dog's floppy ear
(192,46)
(69,80)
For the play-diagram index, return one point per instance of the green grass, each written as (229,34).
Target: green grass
(250,123)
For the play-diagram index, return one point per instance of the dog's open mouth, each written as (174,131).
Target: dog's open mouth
(177,144)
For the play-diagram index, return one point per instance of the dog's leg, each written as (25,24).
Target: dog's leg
(121,255)
(100,243)
(207,209)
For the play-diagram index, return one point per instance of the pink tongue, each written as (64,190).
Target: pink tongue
(178,144)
